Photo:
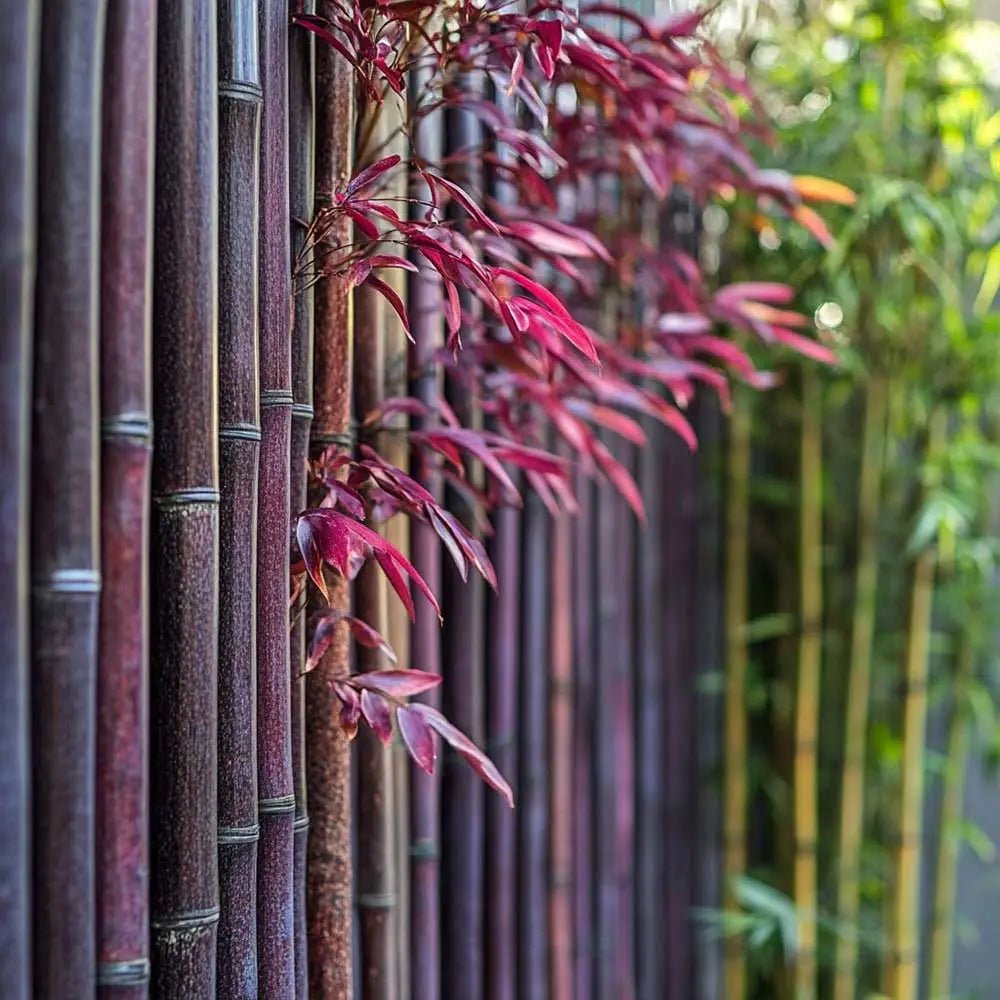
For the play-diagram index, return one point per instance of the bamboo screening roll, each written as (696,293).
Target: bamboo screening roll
(300,181)
(239,450)
(122,890)
(532,834)
(424,301)
(276,857)
(65,579)
(327,750)
(502,660)
(185,892)
(19,84)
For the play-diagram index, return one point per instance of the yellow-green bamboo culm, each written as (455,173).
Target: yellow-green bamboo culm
(734,802)
(903,967)
(807,694)
(949,841)
(858,686)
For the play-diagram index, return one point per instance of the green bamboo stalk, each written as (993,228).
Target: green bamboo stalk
(734,793)
(903,966)
(807,694)
(859,684)
(949,842)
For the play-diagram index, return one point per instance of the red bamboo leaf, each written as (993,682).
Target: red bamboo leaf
(390,295)
(418,736)
(396,683)
(370,174)
(350,708)
(365,635)
(378,715)
(620,478)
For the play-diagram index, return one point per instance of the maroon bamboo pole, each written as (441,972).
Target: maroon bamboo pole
(18,84)
(424,301)
(300,177)
(239,449)
(327,750)
(122,888)
(276,857)
(64,498)
(502,662)
(532,838)
(185,885)
(584,665)
(561,791)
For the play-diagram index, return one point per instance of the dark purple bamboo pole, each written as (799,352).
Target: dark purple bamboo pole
(185,527)
(424,299)
(126,433)
(239,450)
(300,187)
(583,749)
(19,87)
(502,663)
(376,896)
(561,790)
(327,750)
(532,834)
(276,857)
(65,581)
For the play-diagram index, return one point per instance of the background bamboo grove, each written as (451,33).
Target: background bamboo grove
(720,608)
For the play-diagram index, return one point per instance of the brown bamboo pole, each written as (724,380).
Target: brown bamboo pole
(239,454)
(734,793)
(126,431)
(185,886)
(19,84)
(65,579)
(327,750)
(560,902)
(859,684)
(300,179)
(276,856)
(808,686)
(904,957)
(950,815)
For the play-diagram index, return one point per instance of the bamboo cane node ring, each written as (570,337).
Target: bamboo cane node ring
(239,834)
(184,921)
(341,440)
(241,90)
(131,972)
(302,411)
(301,824)
(376,900)
(67,581)
(276,397)
(128,427)
(239,432)
(425,850)
(203,495)
(281,804)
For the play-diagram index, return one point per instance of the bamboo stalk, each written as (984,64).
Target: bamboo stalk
(808,686)
(65,578)
(904,959)
(276,856)
(239,450)
(858,685)
(734,794)
(427,328)
(300,173)
(327,750)
(561,765)
(122,889)
(532,837)
(949,841)
(19,81)
(185,526)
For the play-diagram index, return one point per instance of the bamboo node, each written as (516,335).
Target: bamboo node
(239,834)
(239,432)
(303,411)
(301,824)
(276,397)
(131,972)
(185,498)
(128,426)
(425,849)
(280,804)
(241,90)
(182,921)
(67,581)
(376,900)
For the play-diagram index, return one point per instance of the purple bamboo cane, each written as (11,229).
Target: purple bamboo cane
(276,857)
(239,449)
(532,839)
(19,83)
(300,177)
(65,582)
(185,527)
(427,327)
(502,652)
(126,429)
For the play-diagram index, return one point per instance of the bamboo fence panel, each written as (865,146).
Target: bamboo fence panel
(185,527)
(127,162)
(65,577)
